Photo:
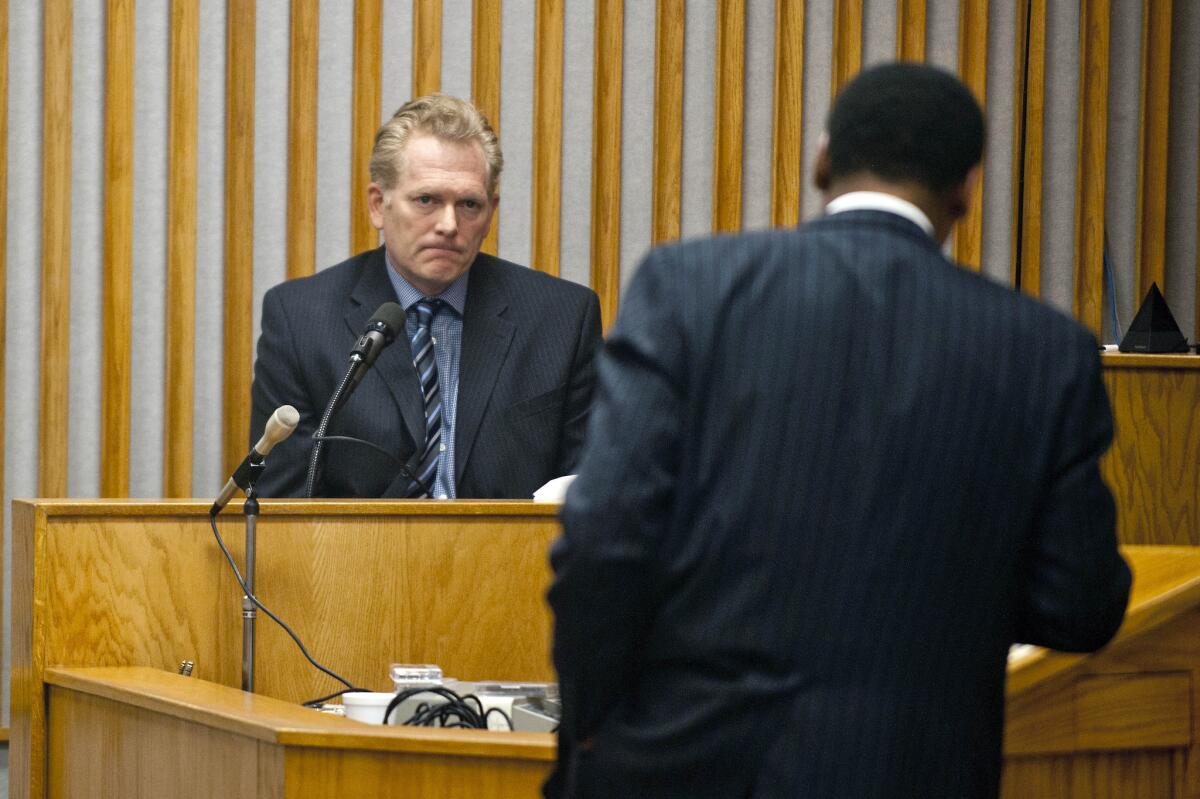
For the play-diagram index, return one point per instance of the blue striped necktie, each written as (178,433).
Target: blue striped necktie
(427,372)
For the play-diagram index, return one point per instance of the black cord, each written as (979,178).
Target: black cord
(314,459)
(323,699)
(237,574)
(456,711)
(404,470)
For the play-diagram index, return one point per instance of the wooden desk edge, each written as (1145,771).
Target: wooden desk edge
(275,721)
(1133,360)
(1145,613)
(53,507)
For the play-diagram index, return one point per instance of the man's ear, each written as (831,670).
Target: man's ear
(375,205)
(958,200)
(822,167)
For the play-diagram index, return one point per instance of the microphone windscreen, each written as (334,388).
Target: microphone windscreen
(279,426)
(391,315)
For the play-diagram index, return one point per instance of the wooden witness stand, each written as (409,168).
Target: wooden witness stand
(364,584)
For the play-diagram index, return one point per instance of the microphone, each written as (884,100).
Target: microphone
(381,331)
(281,425)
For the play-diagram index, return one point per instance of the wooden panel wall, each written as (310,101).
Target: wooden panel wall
(794,40)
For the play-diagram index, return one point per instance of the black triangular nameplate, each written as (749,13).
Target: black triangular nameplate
(1154,328)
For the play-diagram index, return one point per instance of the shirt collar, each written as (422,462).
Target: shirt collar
(455,294)
(879,201)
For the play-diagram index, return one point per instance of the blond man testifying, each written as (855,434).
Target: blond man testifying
(485,391)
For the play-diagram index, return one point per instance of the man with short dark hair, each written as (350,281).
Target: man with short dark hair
(829,478)
(486,391)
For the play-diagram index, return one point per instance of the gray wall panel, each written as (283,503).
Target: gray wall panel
(637,135)
(271,53)
(879,31)
(941,33)
(1123,156)
(397,56)
(996,257)
(456,47)
(87,249)
(334,123)
(516,128)
(151,110)
(24,259)
(578,48)
(1183,169)
(1059,154)
(760,109)
(818,82)
(700,42)
(210,254)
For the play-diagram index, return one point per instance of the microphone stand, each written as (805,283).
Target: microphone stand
(249,612)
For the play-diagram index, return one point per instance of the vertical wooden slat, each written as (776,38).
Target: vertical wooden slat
(1028,123)
(181,249)
(728,115)
(785,138)
(118,249)
(972,68)
(368,88)
(427,47)
(666,197)
(1152,167)
(239,229)
(847,41)
(1094,27)
(606,157)
(485,81)
(547,144)
(56,247)
(302,139)
(910,30)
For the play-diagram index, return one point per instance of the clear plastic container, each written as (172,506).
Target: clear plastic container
(410,675)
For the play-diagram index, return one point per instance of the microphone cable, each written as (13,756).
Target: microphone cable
(404,469)
(237,575)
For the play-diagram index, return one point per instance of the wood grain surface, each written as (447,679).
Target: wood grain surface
(179,379)
(303,55)
(972,69)
(1091,162)
(239,233)
(546,211)
(426,46)
(910,30)
(1153,467)
(117,350)
(485,81)
(366,93)
(54,357)
(666,198)
(729,114)
(606,157)
(1029,81)
(786,149)
(1150,247)
(847,42)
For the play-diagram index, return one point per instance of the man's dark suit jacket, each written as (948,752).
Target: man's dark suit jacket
(829,478)
(525,381)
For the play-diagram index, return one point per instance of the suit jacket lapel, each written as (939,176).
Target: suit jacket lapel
(485,344)
(394,364)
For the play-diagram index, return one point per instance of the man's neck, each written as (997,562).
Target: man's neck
(923,198)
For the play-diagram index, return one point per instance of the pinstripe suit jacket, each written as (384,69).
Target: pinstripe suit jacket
(525,381)
(829,478)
